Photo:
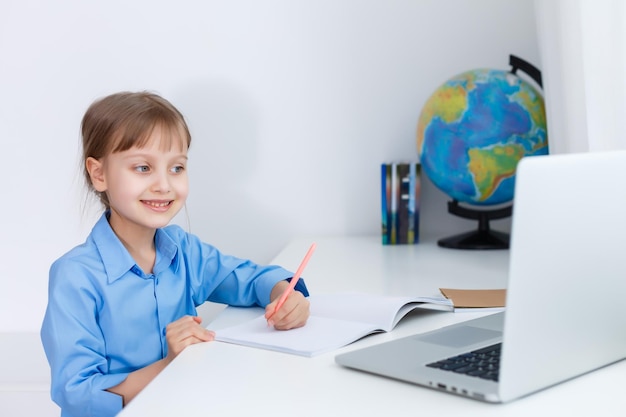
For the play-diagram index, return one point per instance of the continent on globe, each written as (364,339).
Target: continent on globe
(473,131)
(490,167)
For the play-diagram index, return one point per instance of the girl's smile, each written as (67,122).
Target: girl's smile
(160,206)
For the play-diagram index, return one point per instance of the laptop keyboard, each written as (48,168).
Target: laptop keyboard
(482,363)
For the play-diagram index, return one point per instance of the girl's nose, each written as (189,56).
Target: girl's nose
(162,183)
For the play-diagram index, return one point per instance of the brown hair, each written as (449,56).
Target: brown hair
(121,121)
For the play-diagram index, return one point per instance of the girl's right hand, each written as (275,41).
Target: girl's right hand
(184,332)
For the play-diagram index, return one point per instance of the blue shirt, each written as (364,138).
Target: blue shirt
(106,318)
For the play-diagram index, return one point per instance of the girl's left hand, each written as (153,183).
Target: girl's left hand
(294,312)
(184,332)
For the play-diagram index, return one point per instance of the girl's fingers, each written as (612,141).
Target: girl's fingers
(186,331)
(294,313)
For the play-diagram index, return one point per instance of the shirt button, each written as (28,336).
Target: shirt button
(164,331)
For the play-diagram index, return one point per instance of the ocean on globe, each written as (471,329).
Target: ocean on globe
(473,131)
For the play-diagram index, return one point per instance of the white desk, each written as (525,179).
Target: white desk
(214,378)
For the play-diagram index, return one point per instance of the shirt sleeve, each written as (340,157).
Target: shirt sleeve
(300,286)
(227,279)
(79,370)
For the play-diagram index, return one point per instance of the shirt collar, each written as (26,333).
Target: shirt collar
(116,258)
(166,249)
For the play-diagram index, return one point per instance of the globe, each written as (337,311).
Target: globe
(473,131)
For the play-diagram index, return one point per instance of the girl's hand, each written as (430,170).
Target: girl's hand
(184,332)
(294,312)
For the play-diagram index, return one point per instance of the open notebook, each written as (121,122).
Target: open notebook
(336,320)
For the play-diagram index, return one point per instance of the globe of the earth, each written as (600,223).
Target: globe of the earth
(473,131)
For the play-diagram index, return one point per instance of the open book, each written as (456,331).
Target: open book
(336,320)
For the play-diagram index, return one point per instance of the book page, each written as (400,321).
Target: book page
(336,320)
(319,335)
(384,312)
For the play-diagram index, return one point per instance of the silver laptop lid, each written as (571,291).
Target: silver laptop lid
(565,313)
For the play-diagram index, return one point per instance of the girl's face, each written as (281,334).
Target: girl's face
(146,187)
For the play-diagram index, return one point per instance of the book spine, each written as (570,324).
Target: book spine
(394,205)
(384,198)
(414,200)
(418,200)
(402,236)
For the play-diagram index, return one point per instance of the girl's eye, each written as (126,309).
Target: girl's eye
(142,168)
(178,169)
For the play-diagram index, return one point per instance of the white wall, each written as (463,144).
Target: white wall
(292,106)
(583,51)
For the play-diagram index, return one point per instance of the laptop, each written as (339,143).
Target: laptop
(564,312)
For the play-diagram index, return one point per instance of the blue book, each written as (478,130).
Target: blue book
(385,191)
(415,185)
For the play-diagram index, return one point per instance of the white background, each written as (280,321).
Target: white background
(292,106)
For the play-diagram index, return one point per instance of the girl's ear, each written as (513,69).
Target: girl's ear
(96,173)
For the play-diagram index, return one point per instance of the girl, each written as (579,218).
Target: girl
(123,304)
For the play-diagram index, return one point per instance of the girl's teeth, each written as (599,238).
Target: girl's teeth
(158,204)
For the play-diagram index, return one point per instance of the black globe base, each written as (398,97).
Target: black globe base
(476,240)
(482,239)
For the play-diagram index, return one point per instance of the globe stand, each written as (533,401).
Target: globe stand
(484,237)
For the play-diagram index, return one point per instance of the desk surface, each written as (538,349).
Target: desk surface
(212,378)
